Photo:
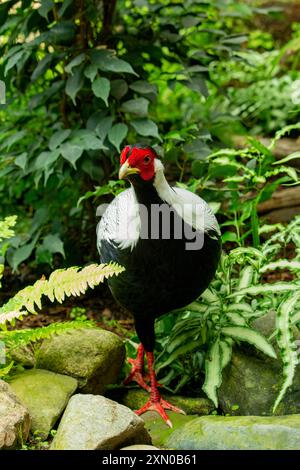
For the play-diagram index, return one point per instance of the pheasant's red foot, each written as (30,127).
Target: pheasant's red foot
(160,405)
(136,374)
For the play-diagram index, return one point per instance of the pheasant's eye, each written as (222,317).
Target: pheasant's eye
(147,159)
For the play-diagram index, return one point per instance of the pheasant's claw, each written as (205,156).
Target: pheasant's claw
(160,406)
(136,375)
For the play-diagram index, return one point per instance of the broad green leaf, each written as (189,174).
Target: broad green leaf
(91,71)
(86,139)
(54,244)
(106,61)
(251,336)
(74,62)
(71,152)
(21,254)
(229,237)
(101,88)
(21,160)
(119,88)
(58,137)
(12,139)
(61,33)
(145,127)
(46,6)
(65,5)
(117,134)
(4,9)
(138,106)
(46,159)
(103,127)
(286,344)
(74,83)
(143,87)
(42,66)
(198,84)
(213,376)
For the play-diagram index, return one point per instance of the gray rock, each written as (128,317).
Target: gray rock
(14,419)
(92,356)
(251,384)
(45,394)
(238,433)
(93,422)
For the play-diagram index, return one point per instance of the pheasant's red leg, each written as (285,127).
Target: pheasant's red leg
(136,372)
(156,403)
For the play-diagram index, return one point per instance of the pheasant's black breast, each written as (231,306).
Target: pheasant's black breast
(161,273)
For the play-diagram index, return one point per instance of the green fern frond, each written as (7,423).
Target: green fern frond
(16,338)
(213,372)
(6,226)
(10,316)
(286,344)
(62,283)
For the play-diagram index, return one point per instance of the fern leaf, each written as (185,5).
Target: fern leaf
(295,318)
(9,316)
(275,288)
(286,344)
(251,336)
(61,283)
(5,370)
(281,264)
(226,351)
(213,369)
(179,352)
(16,338)
(6,226)
(245,280)
(282,132)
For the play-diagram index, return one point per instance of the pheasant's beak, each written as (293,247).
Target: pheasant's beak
(126,170)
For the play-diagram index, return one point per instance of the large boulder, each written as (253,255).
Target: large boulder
(251,384)
(238,433)
(45,394)
(93,422)
(14,419)
(92,356)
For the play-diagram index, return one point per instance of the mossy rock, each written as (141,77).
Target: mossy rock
(238,433)
(45,394)
(158,429)
(92,356)
(251,384)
